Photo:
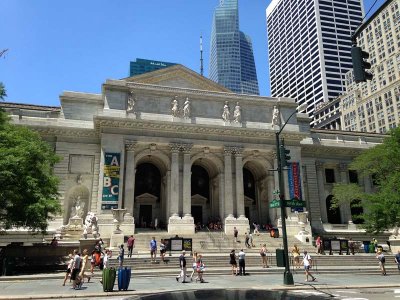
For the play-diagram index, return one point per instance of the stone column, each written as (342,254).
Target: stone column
(270,188)
(321,188)
(221,196)
(239,182)
(174,189)
(228,183)
(129,189)
(187,203)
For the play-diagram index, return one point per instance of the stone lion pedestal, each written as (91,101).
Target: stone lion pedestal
(241,224)
(117,236)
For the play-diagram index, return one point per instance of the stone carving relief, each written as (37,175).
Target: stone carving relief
(77,201)
(275,116)
(175,107)
(130,105)
(77,208)
(226,115)
(237,114)
(186,109)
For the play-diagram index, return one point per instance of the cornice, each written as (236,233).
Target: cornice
(65,132)
(323,151)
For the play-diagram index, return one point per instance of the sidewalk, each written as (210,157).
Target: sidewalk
(43,287)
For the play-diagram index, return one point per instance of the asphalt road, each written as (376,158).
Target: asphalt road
(342,286)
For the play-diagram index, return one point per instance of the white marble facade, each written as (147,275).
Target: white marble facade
(174,119)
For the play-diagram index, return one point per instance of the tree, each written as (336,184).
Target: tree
(28,194)
(382,163)
(2,91)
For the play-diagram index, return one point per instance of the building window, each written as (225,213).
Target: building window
(353,176)
(329,176)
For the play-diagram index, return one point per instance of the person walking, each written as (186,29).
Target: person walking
(69,268)
(233,263)
(263,253)
(182,265)
(397,259)
(256,229)
(153,249)
(76,266)
(318,243)
(131,244)
(194,265)
(296,256)
(200,268)
(85,259)
(351,246)
(251,240)
(307,262)
(381,259)
(235,234)
(163,249)
(246,240)
(242,263)
(120,255)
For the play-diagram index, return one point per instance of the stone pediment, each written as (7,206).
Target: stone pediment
(180,77)
(199,200)
(146,198)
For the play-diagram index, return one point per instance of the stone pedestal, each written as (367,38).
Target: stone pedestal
(394,241)
(117,236)
(241,224)
(181,226)
(73,230)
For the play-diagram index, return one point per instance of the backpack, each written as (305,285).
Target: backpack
(382,259)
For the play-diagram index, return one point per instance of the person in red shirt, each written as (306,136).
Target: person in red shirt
(131,244)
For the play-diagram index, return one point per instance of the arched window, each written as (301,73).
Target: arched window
(356,211)
(200,181)
(249,186)
(148,180)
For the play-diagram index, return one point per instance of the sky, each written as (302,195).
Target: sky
(76,45)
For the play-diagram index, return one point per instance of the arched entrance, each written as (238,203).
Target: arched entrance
(249,190)
(333,212)
(147,195)
(200,193)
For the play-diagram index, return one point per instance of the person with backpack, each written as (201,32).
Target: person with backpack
(307,262)
(182,265)
(381,259)
(263,253)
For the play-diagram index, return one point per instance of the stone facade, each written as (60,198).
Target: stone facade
(158,151)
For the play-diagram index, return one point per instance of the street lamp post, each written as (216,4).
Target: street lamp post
(287,276)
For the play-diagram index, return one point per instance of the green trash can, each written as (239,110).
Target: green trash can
(280,258)
(371,248)
(108,278)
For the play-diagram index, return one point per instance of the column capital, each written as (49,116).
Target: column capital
(186,148)
(130,145)
(175,147)
(319,164)
(236,150)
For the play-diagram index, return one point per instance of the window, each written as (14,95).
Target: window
(353,176)
(329,176)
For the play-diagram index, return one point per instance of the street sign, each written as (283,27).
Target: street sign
(275,204)
(294,203)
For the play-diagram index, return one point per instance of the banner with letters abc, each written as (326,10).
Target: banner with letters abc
(294,183)
(111,180)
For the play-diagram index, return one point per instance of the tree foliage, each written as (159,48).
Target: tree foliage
(28,194)
(382,163)
(2,91)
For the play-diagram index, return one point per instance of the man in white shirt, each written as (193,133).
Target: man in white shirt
(242,263)
(307,262)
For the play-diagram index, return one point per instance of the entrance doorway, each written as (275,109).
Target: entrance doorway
(247,212)
(197,214)
(145,215)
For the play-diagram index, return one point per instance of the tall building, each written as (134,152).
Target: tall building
(374,106)
(141,66)
(231,56)
(309,46)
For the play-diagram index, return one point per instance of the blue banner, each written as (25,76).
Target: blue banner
(111,180)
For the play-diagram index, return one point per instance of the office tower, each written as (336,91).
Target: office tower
(374,106)
(141,66)
(309,46)
(231,56)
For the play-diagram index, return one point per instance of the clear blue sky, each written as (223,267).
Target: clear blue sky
(76,45)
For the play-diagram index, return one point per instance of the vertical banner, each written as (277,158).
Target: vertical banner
(295,183)
(111,180)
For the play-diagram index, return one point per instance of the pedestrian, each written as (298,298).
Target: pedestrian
(69,268)
(76,266)
(263,253)
(194,265)
(251,240)
(318,243)
(131,244)
(200,268)
(256,228)
(351,246)
(54,242)
(397,259)
(307,262)
(375,243)
(242,263)
(296,256)
(163,249)
(153,249)
(235,234)
(84,266)
(120,255)
(182,265)
(381,259)
(233,263)
(106,259)
(246,240)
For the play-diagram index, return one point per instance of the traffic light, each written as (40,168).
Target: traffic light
(284,154)
(360,65)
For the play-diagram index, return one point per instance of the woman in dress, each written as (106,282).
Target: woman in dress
(296,256)
(85,259)
(200,268)
(263,253)
(68,272)
(233,262)
(194,265)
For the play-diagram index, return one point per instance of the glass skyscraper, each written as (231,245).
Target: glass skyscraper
(309,46)
(141,66)
(231,56)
